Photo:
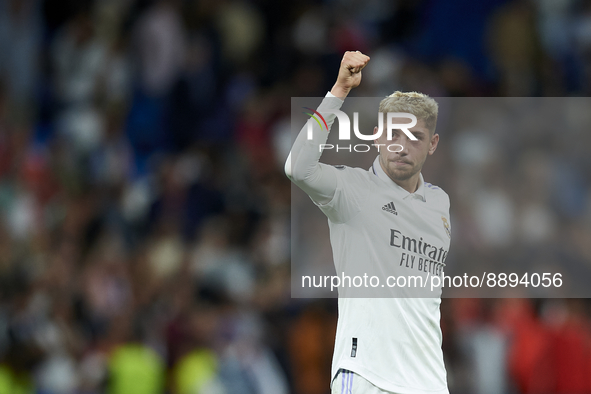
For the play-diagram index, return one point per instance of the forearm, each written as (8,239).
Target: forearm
(340,91)
(303,166)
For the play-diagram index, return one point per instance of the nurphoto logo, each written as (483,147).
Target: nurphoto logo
(345,129)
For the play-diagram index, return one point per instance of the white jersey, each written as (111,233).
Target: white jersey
(397,341)
(376,225)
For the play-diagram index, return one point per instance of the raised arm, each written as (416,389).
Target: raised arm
(302,165)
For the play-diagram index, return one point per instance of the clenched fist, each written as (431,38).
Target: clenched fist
(349,73)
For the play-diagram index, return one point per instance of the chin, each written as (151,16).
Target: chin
(400,175)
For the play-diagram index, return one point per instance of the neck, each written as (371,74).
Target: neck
(410,185)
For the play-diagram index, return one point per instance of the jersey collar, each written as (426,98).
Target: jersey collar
(376,168)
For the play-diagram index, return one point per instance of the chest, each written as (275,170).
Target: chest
(409,220)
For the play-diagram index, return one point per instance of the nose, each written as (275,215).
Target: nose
(398,144)
(402,146)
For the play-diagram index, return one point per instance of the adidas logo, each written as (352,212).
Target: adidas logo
(390,208)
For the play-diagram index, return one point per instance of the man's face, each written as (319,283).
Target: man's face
(401,166)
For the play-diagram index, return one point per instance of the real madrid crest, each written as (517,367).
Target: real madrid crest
(446,226)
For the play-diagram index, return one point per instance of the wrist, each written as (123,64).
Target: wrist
(340,91)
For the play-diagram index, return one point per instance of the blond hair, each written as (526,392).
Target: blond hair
(418,104)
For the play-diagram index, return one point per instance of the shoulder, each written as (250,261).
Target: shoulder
(353,172)
(436,195)
(354,176)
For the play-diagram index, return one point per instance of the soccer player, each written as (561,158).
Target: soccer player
(389,220)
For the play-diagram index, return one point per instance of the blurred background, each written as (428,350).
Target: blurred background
(145,216)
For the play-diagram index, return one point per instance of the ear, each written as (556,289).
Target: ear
(375,130)
(433,143)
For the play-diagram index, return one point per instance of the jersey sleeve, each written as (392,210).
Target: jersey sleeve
(349,194)
(329,187)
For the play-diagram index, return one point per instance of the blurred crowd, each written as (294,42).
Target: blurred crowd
(145,217)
